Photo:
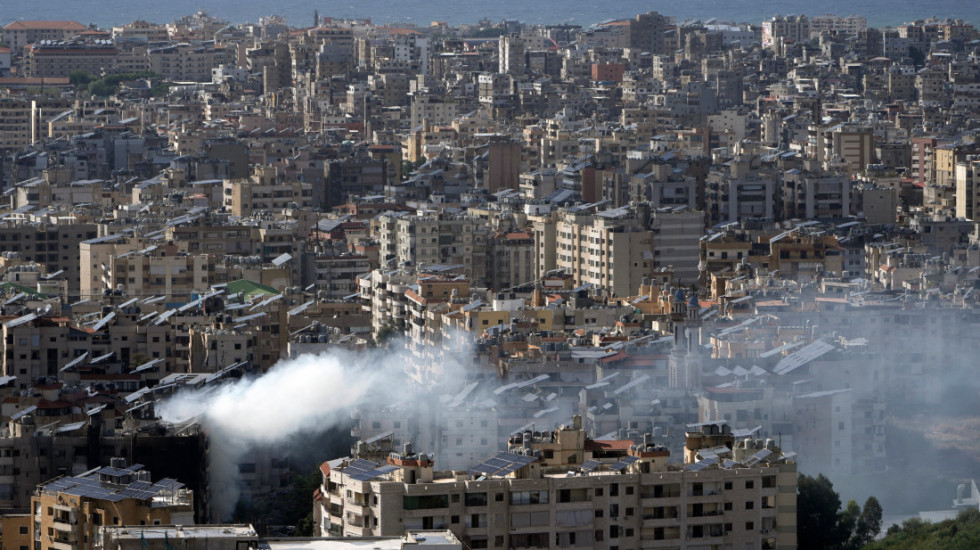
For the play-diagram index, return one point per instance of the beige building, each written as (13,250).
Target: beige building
(435,239)
(612,250)
(21,33)
(243,197)
(68,512)
(186,62)
(967,177)
(562,489)
(63,58)
(16,128)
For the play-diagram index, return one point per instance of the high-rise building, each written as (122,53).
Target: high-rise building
(511,55)
(790,29)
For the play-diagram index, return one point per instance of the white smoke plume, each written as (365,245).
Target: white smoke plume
(311,392)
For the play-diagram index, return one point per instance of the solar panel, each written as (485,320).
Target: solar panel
(372,474)
(519,459)
(497,463)
(758,457)
(590,465)
(20,414)
(109,470)
(360,465)
(741,433)
(167,484)
(70,427)
(74,362)
(700,465)
(138,494)
(21,320)
(623,463)
(379,437)
(728,463)
(502,464)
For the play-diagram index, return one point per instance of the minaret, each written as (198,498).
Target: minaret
(685,363)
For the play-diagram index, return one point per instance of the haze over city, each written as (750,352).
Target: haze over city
(536,277)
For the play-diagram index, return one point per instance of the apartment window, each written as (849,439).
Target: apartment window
(749,525)
(728,485)
(749,505)
(529,497)
(598,491)
(750,484)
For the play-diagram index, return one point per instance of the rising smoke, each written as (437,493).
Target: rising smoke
(306,394)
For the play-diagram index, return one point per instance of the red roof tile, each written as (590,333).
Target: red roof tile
(41,25)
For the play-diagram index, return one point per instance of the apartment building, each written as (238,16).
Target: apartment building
(68,512)
(16,123)
(562,489)
(845,147)
(734,195)
(808,196)
(850,25)
(434,239)
(792,28)
(967,178)
(243,197)
(53,245)
(158,271)
(60,59)
(510,260)
(22,33)
(335,275)
(612,250)
(187,62)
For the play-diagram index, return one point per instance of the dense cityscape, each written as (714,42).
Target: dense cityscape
(648,284)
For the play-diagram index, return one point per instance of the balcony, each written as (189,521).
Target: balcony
(65,524)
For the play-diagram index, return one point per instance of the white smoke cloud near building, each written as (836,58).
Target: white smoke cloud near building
(309,393)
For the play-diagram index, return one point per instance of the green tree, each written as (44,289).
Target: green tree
(384,334)
(848,521)
(818,514)
(101,88)
(80,78)
(823,525)
(868,523)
